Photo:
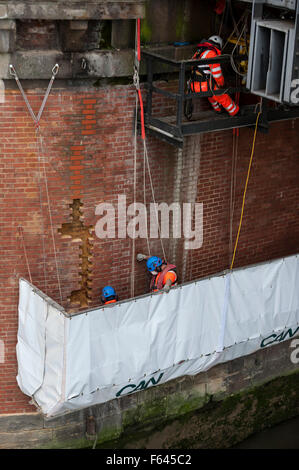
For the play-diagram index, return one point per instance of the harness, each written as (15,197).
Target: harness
(199,73)
(157,281)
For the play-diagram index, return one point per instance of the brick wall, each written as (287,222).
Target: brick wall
(87,140)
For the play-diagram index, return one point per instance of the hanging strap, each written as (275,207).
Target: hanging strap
(25,252)
(136,82)
(36,120)
(54,73)
(225,305)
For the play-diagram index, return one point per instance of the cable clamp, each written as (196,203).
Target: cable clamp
(136,79)
(12,71)
(55,69)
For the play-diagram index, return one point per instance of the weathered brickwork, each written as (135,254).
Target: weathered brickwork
(87,153)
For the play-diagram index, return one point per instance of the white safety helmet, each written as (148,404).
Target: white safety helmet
(216,40)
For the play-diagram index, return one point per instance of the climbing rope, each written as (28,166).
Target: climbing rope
(134,201)
(50,214)
(136,84)
(153,197)
(40,151)
(146,164)
(245,190)
(25,252)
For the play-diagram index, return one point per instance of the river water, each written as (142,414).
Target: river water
(282,436)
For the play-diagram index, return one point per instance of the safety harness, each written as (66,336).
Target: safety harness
(199,72)
(157,281)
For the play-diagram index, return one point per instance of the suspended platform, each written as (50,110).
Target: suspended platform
(175,127)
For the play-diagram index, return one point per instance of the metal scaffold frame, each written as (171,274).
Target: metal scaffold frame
(174,130)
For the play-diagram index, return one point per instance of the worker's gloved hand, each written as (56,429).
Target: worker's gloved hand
(166,288)
(141,257)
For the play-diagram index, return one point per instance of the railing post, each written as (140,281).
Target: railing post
(180,101)
(149,66)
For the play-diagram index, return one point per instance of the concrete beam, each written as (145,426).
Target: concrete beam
(34,65)
(72,10)
(37,65)
(106,64)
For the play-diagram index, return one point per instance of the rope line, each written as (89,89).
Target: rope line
(144,202)
(50,214)
(153,196)
(25,252)
(145,153)
(40,150)
(134,200)
(42,213)
(245,190)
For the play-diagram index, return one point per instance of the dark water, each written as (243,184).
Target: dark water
(282,436)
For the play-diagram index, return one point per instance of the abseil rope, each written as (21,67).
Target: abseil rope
(145,153)
(36,120)
(50,214)
(135,80)
(25,253)
(153,196)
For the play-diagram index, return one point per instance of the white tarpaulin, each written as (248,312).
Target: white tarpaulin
(71,362)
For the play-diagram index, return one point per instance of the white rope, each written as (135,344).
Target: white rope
(41,152)
(134,200)
(225,306)
(136,83)
(42,213)
(25,253)
(54,73)
(50,214)
(145,159)
(153,196)
(144,202)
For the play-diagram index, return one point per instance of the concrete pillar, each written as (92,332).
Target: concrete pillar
(7,36)
(177,185)
(191,175)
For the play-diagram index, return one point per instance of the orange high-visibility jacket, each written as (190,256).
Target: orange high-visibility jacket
(210,69)
(110,302)
(159,281)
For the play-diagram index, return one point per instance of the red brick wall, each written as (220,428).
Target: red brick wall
(88,150)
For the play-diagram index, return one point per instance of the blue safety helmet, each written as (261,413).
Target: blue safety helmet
(153,262)
(108,291)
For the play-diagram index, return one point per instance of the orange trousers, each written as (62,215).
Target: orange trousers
(224,100)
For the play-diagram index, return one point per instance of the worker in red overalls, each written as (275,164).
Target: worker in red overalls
(209,77)
(163,274)
(108,295)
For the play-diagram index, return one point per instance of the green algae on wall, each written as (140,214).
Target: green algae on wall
(180,22)
(145,31)
(210,423)
(145,27)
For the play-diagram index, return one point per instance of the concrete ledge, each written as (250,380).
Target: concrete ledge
(103,64)
(36,65)
(72,10)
